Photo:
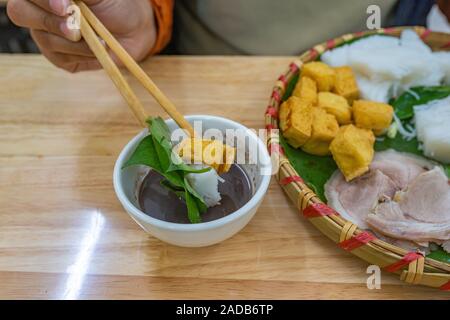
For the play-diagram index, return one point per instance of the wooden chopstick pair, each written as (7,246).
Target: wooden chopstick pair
(91,27)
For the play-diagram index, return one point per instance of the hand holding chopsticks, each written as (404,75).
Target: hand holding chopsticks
(90,26)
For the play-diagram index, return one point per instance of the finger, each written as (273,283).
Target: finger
(61,45)
(68,62)
(26,14)
(86,66)
(58,7)
(71,63)
(69,55)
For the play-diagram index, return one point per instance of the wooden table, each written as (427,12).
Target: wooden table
(63,233)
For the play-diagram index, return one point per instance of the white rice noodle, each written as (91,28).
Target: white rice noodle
(373,90)
(407,135)
(432,121)
(414,94)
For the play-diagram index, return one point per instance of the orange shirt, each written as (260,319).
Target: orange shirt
(163,11)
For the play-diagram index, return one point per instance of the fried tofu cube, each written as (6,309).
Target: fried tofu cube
(335,105)
(353,150)
(317,147)
(297,117)
(324,75)
(283,114)
(306,89)
(229,157)
(214,153)
(372,115)
(190,150)
(193,150)
(323,130)
(345,84)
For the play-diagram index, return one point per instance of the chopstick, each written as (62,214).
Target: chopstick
(88,23)
(113,71)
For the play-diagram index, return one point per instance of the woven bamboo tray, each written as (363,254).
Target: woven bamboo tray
(412,267)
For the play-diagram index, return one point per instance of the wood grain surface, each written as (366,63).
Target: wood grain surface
(64,235)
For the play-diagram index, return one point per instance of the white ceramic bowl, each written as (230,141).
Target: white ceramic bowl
(127,181)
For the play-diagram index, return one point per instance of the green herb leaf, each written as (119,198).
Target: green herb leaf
(194,193)
(169,186)
(163,154)
(161,136)
(193,210)
(201,205)
(178,164)
(195,205)
(404,105)
(145,154)
(159,129)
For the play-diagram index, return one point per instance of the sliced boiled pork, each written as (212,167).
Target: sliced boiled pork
(400,167)
(402,196)
(420,213)
(355,200)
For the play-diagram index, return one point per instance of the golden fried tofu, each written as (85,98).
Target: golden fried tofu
(317,147)
(284,113)
(211,152)
(190,150)
(306,89)
(324,75)
(323,130)
(297,125)
(229,157)
(335,105)
(372,115)
(345,84)
(353,150)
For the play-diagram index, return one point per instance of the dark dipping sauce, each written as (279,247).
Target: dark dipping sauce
(162,204)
